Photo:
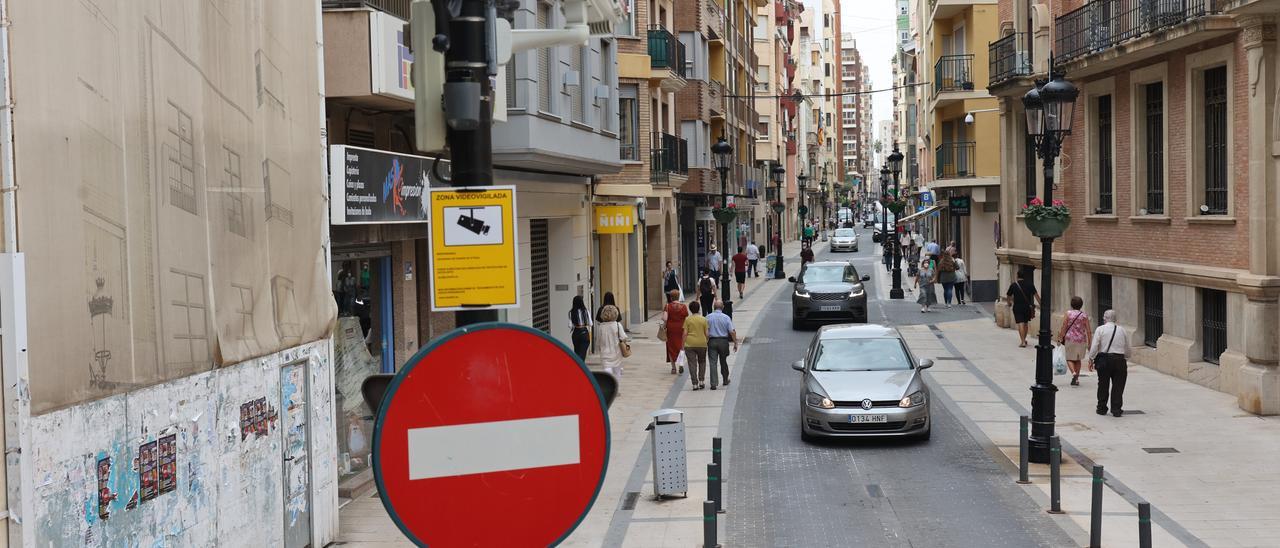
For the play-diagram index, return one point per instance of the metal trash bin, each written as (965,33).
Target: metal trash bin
(666,436)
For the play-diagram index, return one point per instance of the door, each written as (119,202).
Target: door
(296,455)
(540,273)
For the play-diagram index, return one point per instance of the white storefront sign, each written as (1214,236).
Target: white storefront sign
(390,60)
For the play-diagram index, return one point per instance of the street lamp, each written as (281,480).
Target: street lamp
(722,151)
(802,209)
(826,214)
(779,176)
(884,217)
(1050,109)
(895,167)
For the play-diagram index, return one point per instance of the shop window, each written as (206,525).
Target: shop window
(628,122)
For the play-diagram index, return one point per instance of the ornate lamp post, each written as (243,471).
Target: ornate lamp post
(722,151)
(803,209)
(779,176)
(895,167)
(884,217)
(1050,109)
(826,214)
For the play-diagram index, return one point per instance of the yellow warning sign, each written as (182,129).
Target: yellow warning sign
(474,264)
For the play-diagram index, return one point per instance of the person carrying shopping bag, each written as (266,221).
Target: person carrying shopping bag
(672,329)
(1076,336)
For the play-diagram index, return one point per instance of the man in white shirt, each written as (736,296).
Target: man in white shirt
(714,260)
(753,260)
(1109,355)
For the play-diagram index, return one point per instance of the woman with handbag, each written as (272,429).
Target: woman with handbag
(962,277)
(612,340)
(1024,298)
(672,329)
(1076,336)
(580,327)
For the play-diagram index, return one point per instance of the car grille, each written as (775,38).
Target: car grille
(867,426)
(828,296)
(874,403)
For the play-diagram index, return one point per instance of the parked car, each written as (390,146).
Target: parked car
(868,222)
(844,239)
(828,290)
(862,381)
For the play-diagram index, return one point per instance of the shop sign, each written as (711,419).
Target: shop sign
(615,219)
(373,186)
(703,213)
(959,206)
(474,265)
(390,60)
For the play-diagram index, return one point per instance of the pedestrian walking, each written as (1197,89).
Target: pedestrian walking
(673,316)
(695,346)
(809,232)
(962,278)
(806,255)
(1076,336)
(707,286)
(740,269)
(608,300)
(1111,360)
(1023,297)
(947,276)
(670,279)
(720,333)
(753,260)
(925,278)
(714,261)
(612,342)
(580,327)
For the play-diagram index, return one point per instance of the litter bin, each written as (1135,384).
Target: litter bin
(666,434)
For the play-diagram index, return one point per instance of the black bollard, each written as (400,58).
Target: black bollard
(713,487)
(1144,525)
(1055,475)
(709,525)
(715,450)
(1095,510)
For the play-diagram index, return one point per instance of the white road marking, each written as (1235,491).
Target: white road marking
(477,448)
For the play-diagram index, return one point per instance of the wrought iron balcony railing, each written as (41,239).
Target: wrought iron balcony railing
(398,8)
(669,154)
(955,160)
(1009,58)
(665,51)
(1104,24)
(953,73)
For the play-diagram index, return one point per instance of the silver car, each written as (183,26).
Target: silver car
(844,239)
(828,290)
(860,381)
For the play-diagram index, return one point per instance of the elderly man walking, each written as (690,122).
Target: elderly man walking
(1109,355)
(720,333)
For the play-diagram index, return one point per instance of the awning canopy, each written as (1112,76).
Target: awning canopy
(921,213)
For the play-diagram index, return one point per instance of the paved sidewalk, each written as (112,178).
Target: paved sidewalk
(645,386)
(1208,469)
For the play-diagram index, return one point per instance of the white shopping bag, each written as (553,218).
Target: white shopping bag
(1060,360)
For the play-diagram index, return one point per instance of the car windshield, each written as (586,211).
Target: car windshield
(844,233)
(881,354)
(829,274)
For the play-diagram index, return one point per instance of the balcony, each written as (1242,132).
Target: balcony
(716,100)
(398,8)
(955,160)
(669,155)
(1088,37)
(1009,58)
(953,73)
(666,59)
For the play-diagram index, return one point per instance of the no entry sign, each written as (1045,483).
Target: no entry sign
(494,435)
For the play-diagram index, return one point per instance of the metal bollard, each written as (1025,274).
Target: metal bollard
(713,487)
(1055,475)
(1144,525)
(715,450)
(709,525)
(1095,510)
(1024,426)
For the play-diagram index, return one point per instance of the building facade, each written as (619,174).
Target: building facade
(1171,183)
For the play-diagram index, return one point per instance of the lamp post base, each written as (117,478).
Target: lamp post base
(896,293)
(1043,397)
(728,308)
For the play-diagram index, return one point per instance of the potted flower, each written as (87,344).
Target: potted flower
(725,215)
(1047,221)
(896,206)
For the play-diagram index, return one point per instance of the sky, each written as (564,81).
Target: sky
(872,23)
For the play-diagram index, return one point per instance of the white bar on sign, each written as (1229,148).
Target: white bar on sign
(477,448)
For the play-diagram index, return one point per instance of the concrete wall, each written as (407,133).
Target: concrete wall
(229,486)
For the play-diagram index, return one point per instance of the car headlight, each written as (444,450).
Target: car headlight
(856,293)
(802,293)
(914,400)
(814,399)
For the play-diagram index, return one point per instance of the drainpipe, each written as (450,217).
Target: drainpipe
(7,185)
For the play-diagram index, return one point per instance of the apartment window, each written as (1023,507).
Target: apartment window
(763,128)
(628,122)
(1215,140)
(1102,286)
(1153,157)
(826,67)
(577,110)
(1213,324)
(544,62)
(627,26)
(1106,163)
(181,162)
(762,27)
(1152,312)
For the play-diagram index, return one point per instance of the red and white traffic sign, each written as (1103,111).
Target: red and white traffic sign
(494,435)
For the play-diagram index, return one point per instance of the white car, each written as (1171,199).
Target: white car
(844,239)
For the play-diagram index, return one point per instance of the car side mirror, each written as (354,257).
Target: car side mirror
(925,363)
(866,277)
(798,365)
(791,279)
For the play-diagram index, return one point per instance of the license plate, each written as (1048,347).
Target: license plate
(828,308)
(868,418)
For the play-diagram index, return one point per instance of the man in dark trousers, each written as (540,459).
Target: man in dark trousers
(1109,355)
(740,269)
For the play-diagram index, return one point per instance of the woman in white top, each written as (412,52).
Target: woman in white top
(609,339)
(962,276)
